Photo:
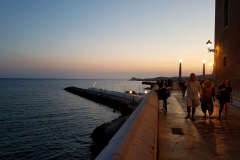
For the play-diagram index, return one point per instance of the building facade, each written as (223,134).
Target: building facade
(227,44)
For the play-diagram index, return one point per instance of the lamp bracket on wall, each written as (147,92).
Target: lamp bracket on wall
(212,50)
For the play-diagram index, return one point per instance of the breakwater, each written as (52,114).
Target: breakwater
(118,101)
(113,101)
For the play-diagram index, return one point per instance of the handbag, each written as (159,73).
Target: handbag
(218,96)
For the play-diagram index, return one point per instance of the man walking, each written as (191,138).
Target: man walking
(193,87)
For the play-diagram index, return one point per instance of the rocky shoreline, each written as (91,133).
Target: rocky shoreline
(103,133)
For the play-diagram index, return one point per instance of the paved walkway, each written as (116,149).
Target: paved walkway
(203,138)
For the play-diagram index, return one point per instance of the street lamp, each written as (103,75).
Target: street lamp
(130,95)
(211,64)
(145,92)
(180,68)
(209,43)
(204,61)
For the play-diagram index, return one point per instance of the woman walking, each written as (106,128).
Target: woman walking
(208,94)
(226,93)
(183,87)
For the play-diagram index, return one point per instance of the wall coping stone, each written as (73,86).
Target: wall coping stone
(119,146)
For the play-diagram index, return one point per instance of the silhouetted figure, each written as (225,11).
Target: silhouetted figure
(158,83)
(193,87)
(206,99)
(226,93)
(161,84)
(183,87)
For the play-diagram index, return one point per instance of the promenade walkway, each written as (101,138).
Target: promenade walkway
(202,139)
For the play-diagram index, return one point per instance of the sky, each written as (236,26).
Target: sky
(107,39)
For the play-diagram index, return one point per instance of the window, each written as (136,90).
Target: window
(225,14)
(224,61)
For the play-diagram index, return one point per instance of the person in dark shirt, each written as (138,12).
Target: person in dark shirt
(158,83)
(183,87)
(226,93)
(161,83)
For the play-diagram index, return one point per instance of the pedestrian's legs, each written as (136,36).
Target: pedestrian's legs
(193,112)
(189,105)
(188,110)
(226,111)
(210,114)
(210,110)
(220,110)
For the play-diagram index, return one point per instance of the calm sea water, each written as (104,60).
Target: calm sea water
(40,120)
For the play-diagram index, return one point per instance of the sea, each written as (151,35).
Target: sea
(40,120)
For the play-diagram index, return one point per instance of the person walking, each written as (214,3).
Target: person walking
(193,87)
(161,83)
(183,87)
(206,99)
(158,83)
(162,95)
(226,93)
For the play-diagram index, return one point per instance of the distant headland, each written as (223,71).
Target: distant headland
(207,76)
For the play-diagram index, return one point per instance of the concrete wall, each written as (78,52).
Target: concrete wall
(136,139)
(133,97)
(227,44)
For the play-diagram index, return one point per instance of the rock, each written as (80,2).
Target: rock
(103,133)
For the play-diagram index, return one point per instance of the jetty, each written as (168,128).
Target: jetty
(116,100)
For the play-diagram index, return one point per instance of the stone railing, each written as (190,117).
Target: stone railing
(137,138)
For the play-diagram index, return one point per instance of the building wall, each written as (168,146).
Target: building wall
(227,44)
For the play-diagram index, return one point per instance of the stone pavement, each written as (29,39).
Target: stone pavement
(222,139)
(203,138)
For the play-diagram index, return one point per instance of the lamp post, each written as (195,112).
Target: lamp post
(180,69)
(145,92)
(130,95)
(204,61)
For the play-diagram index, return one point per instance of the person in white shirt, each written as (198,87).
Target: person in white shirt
(193,87)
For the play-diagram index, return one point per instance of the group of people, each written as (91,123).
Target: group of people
(207,97)
(167,82)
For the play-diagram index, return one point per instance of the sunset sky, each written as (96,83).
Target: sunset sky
(104,39)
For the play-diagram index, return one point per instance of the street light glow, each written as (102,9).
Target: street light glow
(211,64)
(204,61)
(145,92)
(209,43)
(180,60)
(130,92)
